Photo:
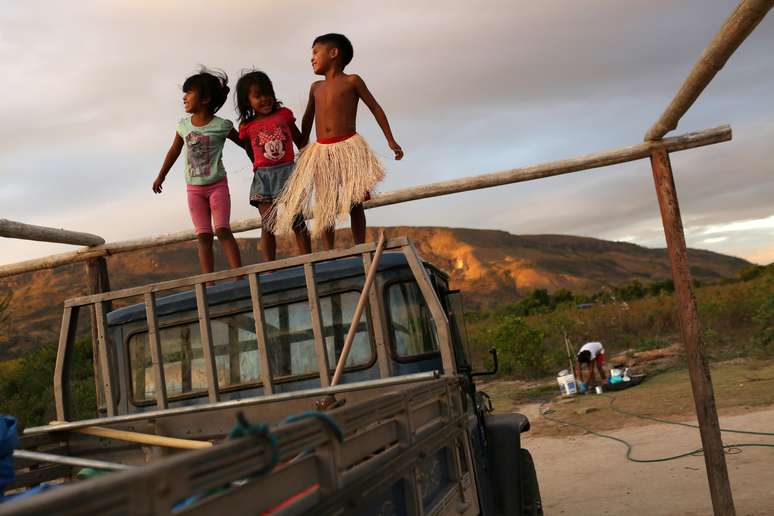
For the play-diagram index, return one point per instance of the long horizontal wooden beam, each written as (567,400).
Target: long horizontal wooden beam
(517,175)
(555,168)
(20,230)
(734,31)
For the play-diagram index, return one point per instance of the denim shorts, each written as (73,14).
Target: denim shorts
(268,183)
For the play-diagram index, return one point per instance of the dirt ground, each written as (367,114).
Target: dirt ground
(582,474)
(587,475)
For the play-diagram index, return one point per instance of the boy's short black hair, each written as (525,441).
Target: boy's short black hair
(250,79)
(584,357)
(211,85)
(339,41)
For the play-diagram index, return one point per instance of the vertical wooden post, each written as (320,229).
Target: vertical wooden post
(317,326)
(698,369)
(157,357)
(62,366)
(103,345)
(267,375)
(436,310)
(361,303)
(374,307)
(208,346)
(97,281)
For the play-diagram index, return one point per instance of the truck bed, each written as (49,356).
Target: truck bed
(404,446)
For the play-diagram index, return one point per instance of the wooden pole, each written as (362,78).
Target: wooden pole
(517,175)
(361,303)
(97,282)
(698,369)
(13,229)
(137,437)
(747,15)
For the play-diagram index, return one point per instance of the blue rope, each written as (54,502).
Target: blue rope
(261,431)
(243,428)
(323,418)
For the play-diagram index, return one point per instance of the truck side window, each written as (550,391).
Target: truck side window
(411,325)
(236,357)
(289,338)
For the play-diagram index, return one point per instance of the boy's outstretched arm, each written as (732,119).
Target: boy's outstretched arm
(169,160)
(378,112)
(233,135)
(307,120)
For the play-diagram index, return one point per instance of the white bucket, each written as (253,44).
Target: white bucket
(567,385)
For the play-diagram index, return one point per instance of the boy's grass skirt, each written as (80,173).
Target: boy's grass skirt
(329,180)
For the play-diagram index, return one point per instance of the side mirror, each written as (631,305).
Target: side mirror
(493,352)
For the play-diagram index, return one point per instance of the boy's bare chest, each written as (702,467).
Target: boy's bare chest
(335,96)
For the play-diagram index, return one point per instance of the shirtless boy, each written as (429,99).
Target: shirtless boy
(339,169)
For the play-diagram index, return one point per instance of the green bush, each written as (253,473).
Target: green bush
(520,348)
(26,385)
(737,319)
(631,291)
(764,319)
(751,272)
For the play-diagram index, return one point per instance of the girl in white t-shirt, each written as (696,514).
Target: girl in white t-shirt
(203,135)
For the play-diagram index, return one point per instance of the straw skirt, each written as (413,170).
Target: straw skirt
(329,180)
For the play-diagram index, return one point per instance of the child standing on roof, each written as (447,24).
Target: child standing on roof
(203,135)
(340,169)
(269,131)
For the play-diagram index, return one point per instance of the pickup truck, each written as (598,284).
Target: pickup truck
(206,399)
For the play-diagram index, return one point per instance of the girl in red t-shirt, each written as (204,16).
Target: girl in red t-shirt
(271,131)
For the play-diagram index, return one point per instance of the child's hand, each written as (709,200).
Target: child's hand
(157,184)
(396,149)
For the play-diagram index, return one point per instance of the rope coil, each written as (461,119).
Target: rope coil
(261,432)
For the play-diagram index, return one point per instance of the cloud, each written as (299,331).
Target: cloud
(742,225)
(92,106)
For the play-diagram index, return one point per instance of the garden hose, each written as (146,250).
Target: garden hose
(728,448)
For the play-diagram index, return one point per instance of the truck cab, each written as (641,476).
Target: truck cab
(247,354)
(404,330)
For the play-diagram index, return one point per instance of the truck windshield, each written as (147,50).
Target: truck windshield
(290,341)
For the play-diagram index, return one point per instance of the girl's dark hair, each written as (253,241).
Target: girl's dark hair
(250,79)
(211,85)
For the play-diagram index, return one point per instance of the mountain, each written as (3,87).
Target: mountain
(488,266)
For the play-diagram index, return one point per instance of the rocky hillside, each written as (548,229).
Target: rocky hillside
(489,266)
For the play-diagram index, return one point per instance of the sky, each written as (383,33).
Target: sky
(92,94)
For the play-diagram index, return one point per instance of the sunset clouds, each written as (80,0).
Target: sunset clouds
(91,95)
